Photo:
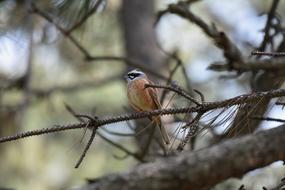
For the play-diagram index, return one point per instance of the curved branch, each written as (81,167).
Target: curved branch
(203,168)
(231,51)
(176,89)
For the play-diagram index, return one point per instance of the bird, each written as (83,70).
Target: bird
(141,98)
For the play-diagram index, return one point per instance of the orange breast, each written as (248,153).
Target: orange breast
(139,97)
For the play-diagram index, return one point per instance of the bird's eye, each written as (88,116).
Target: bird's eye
(133,75)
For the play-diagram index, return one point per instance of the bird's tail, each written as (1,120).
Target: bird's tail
(162,130)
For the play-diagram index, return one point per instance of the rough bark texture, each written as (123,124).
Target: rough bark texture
(203,168)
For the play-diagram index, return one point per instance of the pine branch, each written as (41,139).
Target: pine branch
(204,107)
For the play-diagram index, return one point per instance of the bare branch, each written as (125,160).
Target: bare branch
(272,54)
(203,168)
(268,119)
(87,55)
(36,10)
(176,89)
(265,65)
(231,51)
(268,25)
(94,129)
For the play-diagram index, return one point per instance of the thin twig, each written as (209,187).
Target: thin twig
(249,66)
(79,117)
(268,119)
(176,89)
(36,10)
(202,97)
(268,25)
(272,54)
(94,129)
(172,72)
(192,126)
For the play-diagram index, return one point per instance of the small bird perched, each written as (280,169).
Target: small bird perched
(144,99)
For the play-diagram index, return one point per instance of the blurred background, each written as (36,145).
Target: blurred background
(41,70)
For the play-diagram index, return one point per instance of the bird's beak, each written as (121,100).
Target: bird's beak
(126,77)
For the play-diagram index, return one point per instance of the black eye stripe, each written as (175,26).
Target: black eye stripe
(133,75)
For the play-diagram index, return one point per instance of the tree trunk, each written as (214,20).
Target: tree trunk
(137,18)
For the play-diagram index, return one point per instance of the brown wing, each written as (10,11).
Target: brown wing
(153,93)
(135,107)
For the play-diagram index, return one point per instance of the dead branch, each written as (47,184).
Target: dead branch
(203,168)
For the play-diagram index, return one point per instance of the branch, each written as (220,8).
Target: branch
(84,51)
(268,119)
(87,147)
(176,89)
(204,107)
(203,168)
(36,10)
(271,54)
(265,65)
(268,25)
(231,51)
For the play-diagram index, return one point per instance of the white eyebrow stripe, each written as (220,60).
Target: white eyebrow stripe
(135,72)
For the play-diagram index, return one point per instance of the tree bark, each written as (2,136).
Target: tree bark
(201,169)
(138,19)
